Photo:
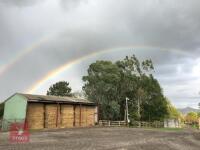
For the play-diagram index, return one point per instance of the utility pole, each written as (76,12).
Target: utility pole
(127,114)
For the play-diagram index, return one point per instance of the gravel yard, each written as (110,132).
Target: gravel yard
(107,138)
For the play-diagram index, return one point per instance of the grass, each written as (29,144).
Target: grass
(161,129)
(170,129)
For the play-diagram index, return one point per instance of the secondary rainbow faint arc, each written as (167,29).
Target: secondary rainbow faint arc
(61,69)
(22,54)
(67,65)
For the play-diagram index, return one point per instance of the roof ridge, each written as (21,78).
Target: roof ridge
(34,97)
(45,95)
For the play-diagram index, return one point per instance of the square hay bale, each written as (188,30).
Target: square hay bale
(35,115)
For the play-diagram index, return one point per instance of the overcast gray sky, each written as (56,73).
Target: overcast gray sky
(38,37)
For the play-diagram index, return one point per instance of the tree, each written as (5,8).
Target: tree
(191,117)
(198,114)
(173,113)
(132,72)
(101,87)
(109,84)
(79,94)
(145,94)
(199,111)
(60,89)
(154,104)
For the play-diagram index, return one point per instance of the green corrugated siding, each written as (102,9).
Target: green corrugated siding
(14,110)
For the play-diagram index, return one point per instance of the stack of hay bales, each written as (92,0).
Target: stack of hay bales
(67,116)
(83,116)
(51,116)
(77,116)
(90,116)
(35,116)
(55,116)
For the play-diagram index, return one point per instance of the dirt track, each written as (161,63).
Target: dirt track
(108,138)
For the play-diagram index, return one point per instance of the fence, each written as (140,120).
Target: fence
(194,125)
(142,124)
(110,123)
(138,124)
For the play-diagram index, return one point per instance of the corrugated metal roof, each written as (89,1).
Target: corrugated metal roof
(44,98)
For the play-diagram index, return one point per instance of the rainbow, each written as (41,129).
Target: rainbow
(50,75)
(22,54)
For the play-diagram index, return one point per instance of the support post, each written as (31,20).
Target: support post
(57,116)
(44,109)
(74,121)
(80,117)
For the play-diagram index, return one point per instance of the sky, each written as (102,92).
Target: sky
(42,42)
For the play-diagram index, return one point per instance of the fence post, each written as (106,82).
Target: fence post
(139,124)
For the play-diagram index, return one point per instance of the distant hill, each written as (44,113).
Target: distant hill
(187,110)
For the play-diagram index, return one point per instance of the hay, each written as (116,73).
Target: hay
(35,116)
(67,116)
(51,116)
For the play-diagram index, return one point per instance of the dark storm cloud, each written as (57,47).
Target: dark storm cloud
(19,2)
(167,24)
(26,3)
(67,4)
(98,25)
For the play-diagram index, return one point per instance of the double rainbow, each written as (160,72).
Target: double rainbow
(66,65)
(50,75)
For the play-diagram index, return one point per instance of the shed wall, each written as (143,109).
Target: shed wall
(14,111)
(15,108)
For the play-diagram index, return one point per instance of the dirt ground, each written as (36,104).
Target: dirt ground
(107,138)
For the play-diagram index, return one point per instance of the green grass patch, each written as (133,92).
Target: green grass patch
(170,129)
(159,129)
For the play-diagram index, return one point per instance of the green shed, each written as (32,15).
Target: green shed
(41,111)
